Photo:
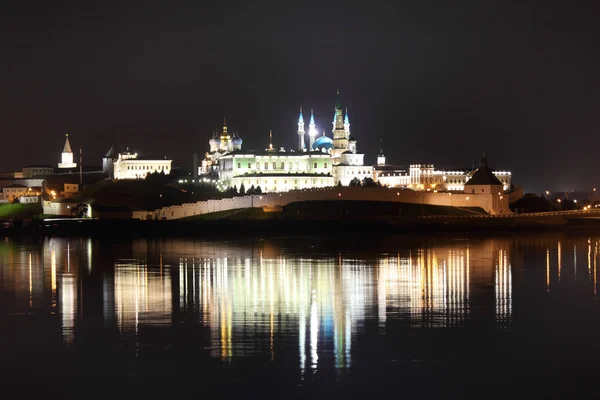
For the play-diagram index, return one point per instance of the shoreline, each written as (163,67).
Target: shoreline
(258,227)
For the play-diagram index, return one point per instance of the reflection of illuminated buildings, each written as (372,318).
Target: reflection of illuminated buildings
(431,288)
(252,304)
(140,296)
(503,290)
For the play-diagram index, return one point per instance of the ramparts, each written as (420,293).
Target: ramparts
(492,203)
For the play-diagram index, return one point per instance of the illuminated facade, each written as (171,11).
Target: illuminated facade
(129,165)
(322,161)
(67,155)
(325,162)
(427,177)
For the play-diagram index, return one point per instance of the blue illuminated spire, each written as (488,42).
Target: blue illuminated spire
(346,119)
(312,117)
(301,117)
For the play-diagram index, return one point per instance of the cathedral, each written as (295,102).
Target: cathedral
(326,161)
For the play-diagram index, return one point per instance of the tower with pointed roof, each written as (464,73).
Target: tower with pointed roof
(108,162)
(301,145)
(381,156)
(67,155)
(312,130)
(341,130)
(483,180)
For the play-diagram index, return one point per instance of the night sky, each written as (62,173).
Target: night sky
(441,82)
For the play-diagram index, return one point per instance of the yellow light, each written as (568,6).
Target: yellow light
(501,197)
(547,192)
(467,197)
(558,200)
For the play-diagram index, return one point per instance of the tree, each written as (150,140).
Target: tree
(339,184)
(80,210)
(368,182)
(232,191)
(252,190)
(355,182)
(242,190)
(258,190)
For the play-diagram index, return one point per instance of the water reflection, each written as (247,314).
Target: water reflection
(270,298)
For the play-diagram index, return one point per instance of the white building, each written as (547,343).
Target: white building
(324,162)
(427,177)
(67,156)
(131,166)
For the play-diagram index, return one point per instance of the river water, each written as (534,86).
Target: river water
(311,316)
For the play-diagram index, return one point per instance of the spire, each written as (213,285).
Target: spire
(337,100)
(270,140)
(301,117)
(346,119)
(380,145)
(312,117)
(67,148)
(483,162)
(224,126)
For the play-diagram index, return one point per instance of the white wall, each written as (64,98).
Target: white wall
(491,203)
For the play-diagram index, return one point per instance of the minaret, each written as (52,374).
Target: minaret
(301,146)
(347,125)
(67,155)
(380,156)
(312,130)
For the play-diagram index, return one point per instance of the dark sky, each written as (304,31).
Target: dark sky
(441,82)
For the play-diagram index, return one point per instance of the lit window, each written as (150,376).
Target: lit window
(325,165)
(315,165)
(282,165)
(249,165)
(274,165)
(266,165)
(239,165)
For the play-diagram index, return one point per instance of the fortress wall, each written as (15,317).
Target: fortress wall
(489,202)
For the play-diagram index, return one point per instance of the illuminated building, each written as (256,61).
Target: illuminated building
(427,177)
(325,162)
(129,165)
(67,155)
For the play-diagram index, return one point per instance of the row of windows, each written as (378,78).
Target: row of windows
(361,172)
(275,182)
(282,165)
(146,167)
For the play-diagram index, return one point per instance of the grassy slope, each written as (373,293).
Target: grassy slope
(370,209)
(340,209)
(17,210)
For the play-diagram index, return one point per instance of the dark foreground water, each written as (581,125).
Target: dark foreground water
(347,317)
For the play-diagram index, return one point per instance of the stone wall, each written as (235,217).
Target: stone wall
(491,203)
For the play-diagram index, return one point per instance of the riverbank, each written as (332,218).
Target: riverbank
(258,227)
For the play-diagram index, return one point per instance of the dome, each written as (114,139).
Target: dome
(322,143)
(214,141)
(237,141)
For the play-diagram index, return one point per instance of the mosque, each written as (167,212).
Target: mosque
(323,162)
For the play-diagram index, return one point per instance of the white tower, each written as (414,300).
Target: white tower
(301,146)
(381,156)
(67,155)
(312,130)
